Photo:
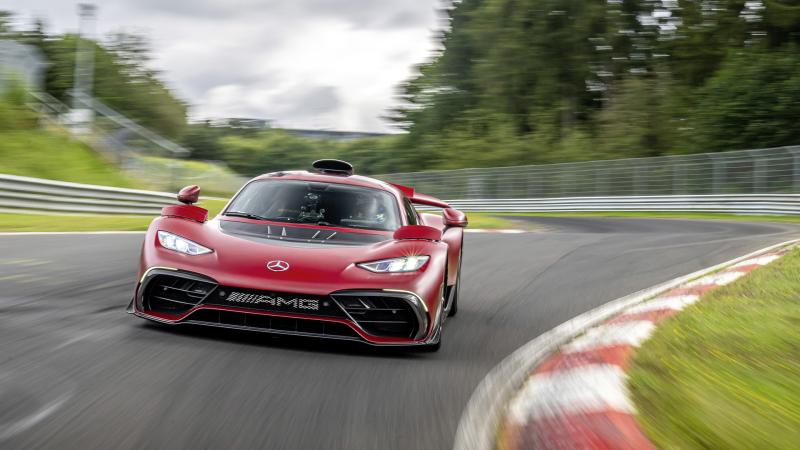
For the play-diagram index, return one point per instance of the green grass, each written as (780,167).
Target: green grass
(659,215)
(213,206)
(494,221)
(55,156)
(31,222)
(27,222)
(214,179)
(37,222)
(725,373)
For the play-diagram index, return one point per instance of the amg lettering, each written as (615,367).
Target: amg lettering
(278,302)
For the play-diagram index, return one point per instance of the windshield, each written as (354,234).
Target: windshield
(326,204)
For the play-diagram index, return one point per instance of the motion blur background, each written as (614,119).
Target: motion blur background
(173,91)
(500,106)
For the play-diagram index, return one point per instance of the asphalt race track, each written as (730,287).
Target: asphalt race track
(77,372)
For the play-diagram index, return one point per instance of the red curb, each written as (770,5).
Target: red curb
(604,430)
(591,408)
(746,268)
(616,355)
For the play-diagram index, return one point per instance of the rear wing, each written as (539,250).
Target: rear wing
(420,199)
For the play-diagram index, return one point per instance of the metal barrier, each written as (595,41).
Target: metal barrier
(34,194)
(765,204)
(762,171)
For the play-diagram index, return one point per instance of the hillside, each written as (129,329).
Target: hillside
(56,156)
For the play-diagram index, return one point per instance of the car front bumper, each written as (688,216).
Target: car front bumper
(385,317)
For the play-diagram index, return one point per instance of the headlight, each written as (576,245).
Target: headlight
(402,264)
(181,245)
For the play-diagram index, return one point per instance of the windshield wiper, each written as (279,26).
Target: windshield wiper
(245,215)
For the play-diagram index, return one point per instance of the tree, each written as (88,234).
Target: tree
(752,101)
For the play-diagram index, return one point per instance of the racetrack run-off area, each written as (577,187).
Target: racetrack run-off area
(77,371)
(577,397)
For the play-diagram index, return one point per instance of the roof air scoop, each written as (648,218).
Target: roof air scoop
(333,167)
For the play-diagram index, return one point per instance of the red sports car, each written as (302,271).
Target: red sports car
(321,253)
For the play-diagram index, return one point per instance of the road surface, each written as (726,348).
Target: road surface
(77,372)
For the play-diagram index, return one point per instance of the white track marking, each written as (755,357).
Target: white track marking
(761,261)
(593,388)
(718,279)
(483,230)
(625,333)
(677,303)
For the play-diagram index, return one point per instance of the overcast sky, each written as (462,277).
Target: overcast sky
(330,64)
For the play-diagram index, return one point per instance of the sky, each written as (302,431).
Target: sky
(323,64)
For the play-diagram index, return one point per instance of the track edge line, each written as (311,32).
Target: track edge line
(480,420)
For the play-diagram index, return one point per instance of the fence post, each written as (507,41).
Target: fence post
(475,187)
(597,179)
(675,179)
(758,172)
(637,179)
(795,151)
(715,173)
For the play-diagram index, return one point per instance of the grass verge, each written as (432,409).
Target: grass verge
(658,215)
(39,222)
(56,156)
(492,221)
(724,373)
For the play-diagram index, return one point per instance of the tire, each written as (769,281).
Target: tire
(432,348)
(457,287)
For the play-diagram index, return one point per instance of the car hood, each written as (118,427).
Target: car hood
(314,265)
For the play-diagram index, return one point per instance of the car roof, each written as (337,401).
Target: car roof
(353,180)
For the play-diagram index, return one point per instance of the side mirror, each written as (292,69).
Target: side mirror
(189,194)
(454,218)
(418,232)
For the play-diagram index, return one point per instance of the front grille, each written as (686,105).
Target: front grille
(170,294)
(312,305)
(380,313)
(274,324)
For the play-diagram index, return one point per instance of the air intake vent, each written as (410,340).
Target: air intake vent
(257,322)
(170,294)
(333,167)
(382,313)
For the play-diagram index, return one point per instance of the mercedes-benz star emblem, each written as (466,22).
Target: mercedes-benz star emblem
(278,266)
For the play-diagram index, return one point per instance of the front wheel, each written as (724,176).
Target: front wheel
(432,348)
(456,288)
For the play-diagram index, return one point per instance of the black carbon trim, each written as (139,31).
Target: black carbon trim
(273,234)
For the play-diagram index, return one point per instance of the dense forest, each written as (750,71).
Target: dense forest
(533,81)
(541,81)
(525,82)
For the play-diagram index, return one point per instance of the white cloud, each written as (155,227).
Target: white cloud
(304,63)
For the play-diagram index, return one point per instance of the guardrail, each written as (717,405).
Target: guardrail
(760,171)
(766,204)
(35,194)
